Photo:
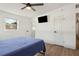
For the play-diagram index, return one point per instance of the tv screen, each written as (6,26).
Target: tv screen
(42,19)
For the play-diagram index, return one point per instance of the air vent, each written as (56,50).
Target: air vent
(77,5)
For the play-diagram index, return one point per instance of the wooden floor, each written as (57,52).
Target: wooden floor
(54,50)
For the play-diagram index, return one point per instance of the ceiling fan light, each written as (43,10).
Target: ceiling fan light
(29,8)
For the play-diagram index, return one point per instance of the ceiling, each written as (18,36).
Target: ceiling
(15,8)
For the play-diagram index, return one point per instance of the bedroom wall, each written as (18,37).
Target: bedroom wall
(61,20)
(23,25)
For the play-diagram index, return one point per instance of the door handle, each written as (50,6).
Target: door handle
(27,31)
(55,31)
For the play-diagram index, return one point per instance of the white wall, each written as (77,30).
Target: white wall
(61,20)
(23,23)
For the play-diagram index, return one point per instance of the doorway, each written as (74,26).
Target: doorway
(77,30)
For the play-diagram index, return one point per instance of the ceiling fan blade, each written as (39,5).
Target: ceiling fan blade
(37,4)
(23,7)
(33,9)
(24,3)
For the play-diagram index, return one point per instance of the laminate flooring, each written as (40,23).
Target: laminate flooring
(55,50)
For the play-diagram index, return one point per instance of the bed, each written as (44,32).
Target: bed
(21,46)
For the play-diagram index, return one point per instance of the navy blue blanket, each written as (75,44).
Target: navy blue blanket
(21,46)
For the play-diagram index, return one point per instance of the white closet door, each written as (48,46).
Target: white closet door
(56,27)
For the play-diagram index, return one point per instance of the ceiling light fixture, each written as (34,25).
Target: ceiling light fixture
(28,7)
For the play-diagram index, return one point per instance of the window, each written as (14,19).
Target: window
(10,23)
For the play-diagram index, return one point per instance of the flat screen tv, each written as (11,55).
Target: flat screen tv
(42,19)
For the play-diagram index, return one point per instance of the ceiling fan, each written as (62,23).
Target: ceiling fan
(29,5)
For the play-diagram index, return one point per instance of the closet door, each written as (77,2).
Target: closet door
(58,34)
(56,19)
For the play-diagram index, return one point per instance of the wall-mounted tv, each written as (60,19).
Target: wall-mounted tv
(42,19)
